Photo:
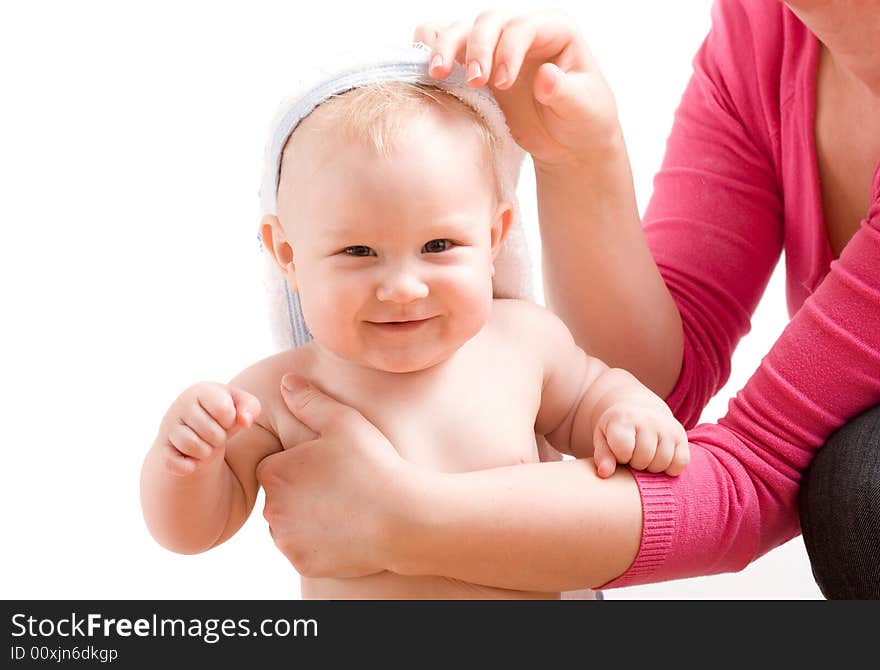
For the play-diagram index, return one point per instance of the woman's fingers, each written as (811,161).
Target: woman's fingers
(565,93)
(546,36)
(427,33)
(494,48)
(480,47)
(547,84)
(449,46)
(510,52)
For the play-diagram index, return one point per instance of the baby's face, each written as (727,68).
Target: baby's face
(393,257)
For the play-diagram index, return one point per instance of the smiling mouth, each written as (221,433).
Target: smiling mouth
(400,326)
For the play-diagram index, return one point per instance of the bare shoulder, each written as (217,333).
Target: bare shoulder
(263,379)
(529,321)
(538,333)
(270,369)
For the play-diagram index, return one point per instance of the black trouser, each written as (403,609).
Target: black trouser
(840,511)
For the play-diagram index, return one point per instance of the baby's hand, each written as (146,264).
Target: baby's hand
(196,427)
(641,431)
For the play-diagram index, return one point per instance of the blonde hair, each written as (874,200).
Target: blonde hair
(375,115)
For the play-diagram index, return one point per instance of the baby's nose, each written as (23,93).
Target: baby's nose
(401,285)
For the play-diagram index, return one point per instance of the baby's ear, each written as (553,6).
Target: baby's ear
(501,225)
(275,240)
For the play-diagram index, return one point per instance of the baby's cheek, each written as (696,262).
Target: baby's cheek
(472,318)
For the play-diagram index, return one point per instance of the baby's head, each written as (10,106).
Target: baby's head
(389,219)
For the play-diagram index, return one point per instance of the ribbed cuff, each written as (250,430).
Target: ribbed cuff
(658,526)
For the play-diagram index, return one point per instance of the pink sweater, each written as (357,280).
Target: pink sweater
(738,184)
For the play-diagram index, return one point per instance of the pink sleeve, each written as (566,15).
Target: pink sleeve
(714,226)
(737,499)
(714,223)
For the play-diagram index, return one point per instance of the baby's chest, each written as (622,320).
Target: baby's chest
(481,425)
(479,413)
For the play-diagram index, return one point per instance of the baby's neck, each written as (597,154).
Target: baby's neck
(362,375)
(374,392)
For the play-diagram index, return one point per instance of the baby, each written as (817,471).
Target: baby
(388,226)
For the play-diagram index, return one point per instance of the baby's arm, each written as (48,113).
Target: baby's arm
(198,482)
(589,409)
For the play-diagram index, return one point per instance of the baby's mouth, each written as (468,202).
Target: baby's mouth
(401,326)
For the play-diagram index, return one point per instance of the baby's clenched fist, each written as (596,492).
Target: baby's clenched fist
(196,427)
(643,435)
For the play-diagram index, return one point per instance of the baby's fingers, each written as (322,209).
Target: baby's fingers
(645,448)
(618,436)
(606,462)
(217,401)
(185,440)
(179,464)
(205,426)
(663,457)
(247,407)
(621,438)
(230,407)
(680,458)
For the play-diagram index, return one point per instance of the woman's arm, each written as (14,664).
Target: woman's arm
(599,276)
(738,497)
(715,220)
(544,526)
(347,505)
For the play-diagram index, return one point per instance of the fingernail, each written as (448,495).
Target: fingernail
(436,62)
(290,382)
(501,76)
(473,71)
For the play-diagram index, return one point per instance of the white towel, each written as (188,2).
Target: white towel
(351,70)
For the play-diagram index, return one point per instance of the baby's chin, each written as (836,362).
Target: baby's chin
(397,364)
(392,361)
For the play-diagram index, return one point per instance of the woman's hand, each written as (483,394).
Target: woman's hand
(347,505)
(555,99)
(331,502)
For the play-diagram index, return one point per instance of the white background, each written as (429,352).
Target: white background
(130,145)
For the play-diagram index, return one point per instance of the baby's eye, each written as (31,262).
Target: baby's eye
(436,246)
(358,250)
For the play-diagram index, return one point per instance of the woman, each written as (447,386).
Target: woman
(775,146)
